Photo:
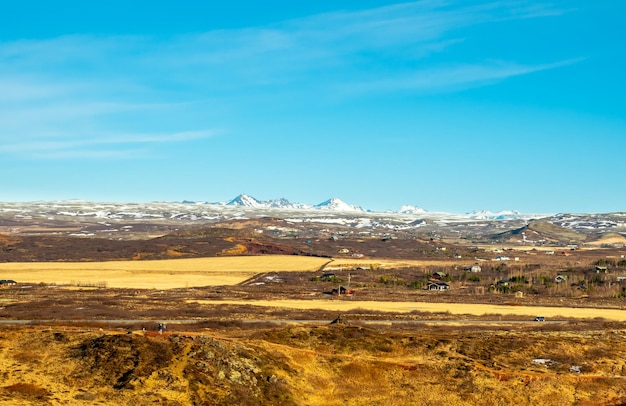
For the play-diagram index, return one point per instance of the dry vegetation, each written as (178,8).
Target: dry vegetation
(165,274)
(316,365)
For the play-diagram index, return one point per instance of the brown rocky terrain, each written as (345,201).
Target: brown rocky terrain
(332,364)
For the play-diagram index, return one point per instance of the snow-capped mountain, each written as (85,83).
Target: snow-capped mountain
(333,204)
(118,216)
(501,215)
(247,206)
(245,201)
(238,206)
(411,210)
(336,204)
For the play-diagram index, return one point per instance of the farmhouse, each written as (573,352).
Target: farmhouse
(603,269)
(438,276)
(438,286)
(7,282)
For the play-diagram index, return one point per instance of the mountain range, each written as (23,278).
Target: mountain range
(197,209)
(335,204)
(112,217)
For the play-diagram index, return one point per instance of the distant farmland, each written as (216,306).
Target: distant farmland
(406,307)
(161,274)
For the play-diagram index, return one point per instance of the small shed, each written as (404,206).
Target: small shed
(560,278)
(342,291)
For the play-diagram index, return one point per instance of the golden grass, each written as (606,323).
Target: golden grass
(327,365)
(236,250)
(390,263)
(610,238)
(163,274)
(453,308)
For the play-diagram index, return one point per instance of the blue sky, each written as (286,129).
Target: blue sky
(447,105)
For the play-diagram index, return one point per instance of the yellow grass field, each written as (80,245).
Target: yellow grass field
(389,263)
(161,274)
(453,308)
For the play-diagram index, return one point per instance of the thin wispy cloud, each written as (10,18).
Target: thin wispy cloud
(78,94)
(56,146)
(450,78)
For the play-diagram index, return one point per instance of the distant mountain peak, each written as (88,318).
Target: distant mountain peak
(245,200)
(337,204)
(333,204)
(501,215)
(411,210)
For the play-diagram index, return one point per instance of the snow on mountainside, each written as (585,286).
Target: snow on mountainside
(336,204)
(501,215)
(245,205)
(332,211)
(581,222)
(245,201)
(333,204)
(411,210)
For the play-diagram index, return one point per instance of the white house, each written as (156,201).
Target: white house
(438,286)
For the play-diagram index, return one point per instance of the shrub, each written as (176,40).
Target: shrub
(27,390)
(391,280)
(519,279)
(416,285)
(545,280)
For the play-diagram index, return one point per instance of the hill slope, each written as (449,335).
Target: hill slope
(541,231)
(331,365)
